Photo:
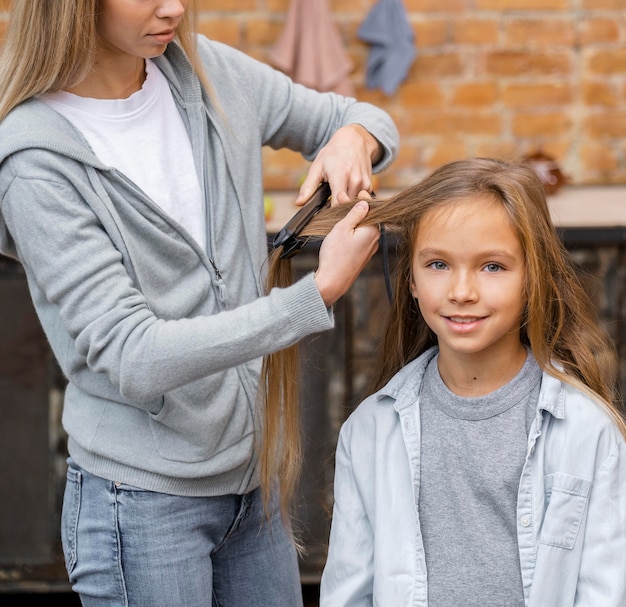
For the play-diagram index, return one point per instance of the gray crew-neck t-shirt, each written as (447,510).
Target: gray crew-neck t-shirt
(472,455)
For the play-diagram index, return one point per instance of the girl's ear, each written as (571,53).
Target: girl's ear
(413,287)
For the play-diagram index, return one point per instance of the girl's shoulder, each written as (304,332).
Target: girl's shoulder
(401,391)
(577,414)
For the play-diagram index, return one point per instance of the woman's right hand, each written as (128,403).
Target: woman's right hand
(344,253)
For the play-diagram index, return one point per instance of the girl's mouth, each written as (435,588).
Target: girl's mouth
(463,324)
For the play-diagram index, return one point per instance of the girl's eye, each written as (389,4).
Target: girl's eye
(493,267)
(437,265)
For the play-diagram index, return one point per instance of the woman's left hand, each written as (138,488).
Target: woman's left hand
(345,162)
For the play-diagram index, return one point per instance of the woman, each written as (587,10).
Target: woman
(131,192)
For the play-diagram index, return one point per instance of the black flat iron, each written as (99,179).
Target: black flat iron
(289,235)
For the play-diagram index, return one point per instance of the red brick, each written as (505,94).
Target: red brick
(597,158)
(543,125)
(505,150)
(603,4)
(437,65)
(600,93)
(223,30)
(475,94)
(434,5)
(606,124)
(454,123)
(522,5)
(420,94)
(475,31)
(599,30)
(261,31)
(446,152)
(607,61)
(227,5)
(540,32)
(526,64)
(430,32)
(540,95)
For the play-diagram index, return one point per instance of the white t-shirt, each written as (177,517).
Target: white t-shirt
(144,137)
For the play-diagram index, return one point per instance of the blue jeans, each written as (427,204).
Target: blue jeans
(126,547)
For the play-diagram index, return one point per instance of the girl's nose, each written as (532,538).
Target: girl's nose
(463,287)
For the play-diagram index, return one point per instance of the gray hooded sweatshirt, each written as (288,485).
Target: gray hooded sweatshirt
(161,342)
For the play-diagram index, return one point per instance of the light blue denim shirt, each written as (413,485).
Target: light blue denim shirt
(571,507)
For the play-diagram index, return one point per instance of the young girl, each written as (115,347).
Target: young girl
(489,465)
(131,190)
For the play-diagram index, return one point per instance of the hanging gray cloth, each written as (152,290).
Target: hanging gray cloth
(387,29)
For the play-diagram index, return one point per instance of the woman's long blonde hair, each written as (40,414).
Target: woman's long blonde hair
(50,46)
(560,322)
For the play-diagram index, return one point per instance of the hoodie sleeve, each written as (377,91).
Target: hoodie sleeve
(94,314)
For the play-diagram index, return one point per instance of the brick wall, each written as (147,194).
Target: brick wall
(491,77)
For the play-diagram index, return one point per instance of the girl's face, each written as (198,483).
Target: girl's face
(468,278)
(138,28)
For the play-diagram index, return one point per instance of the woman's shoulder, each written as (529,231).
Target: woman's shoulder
(41,142)
(29,117)
(34,123)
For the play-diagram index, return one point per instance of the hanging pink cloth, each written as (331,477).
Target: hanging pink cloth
(310,49)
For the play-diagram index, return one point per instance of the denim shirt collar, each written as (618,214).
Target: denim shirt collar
(404,387)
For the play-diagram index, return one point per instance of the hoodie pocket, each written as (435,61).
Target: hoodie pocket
(203,421)
(566,505)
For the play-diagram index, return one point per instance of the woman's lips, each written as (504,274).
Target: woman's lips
(164,37)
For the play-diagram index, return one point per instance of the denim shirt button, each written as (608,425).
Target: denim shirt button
(525,521)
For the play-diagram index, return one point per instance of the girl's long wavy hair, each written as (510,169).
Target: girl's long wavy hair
(50,45)
(559,324)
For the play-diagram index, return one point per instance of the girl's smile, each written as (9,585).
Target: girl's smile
(464,324)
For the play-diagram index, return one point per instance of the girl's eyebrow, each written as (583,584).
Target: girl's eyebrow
(430,252)
(433,252)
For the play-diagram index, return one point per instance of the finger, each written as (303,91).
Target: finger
(345,192)
(357,213)
(341,198)
(308,187)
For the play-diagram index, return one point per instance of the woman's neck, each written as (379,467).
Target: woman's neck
(109,80)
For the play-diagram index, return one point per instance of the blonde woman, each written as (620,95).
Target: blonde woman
(131,191)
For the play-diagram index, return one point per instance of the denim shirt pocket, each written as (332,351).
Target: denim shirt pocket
(566,503)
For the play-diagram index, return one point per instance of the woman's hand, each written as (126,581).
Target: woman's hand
(344,253)
(345,162)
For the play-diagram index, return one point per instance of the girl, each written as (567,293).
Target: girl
(488,467)
(131,191)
